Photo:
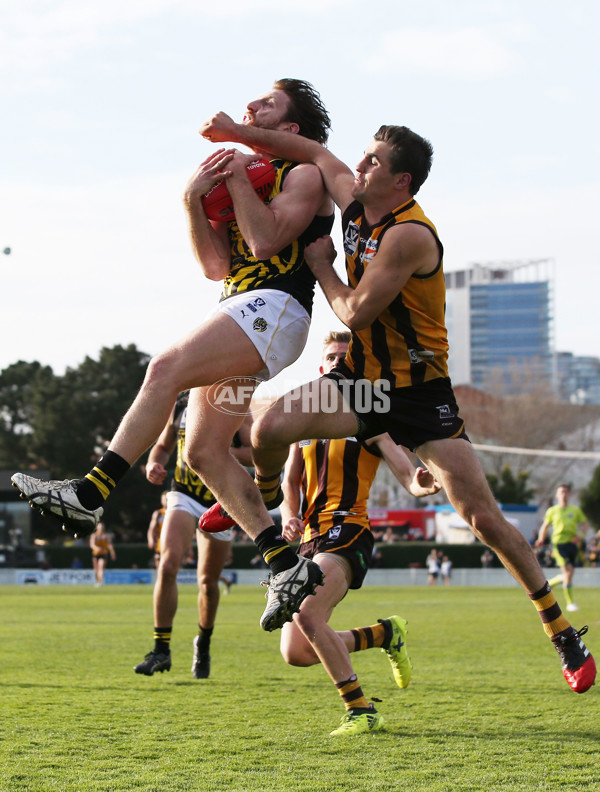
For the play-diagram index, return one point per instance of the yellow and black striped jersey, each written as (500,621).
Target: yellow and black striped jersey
(286,271)
(414,322)
(336,480)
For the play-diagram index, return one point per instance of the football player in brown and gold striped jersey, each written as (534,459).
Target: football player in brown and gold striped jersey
(333,478)
(394,305)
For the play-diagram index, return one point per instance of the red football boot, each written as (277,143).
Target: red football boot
(215,519)
(578,666)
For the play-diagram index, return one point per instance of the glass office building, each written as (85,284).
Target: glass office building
(500,321)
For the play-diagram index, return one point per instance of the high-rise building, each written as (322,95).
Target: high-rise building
(500,324)
(578,378)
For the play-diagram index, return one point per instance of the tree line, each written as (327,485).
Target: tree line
(63,423)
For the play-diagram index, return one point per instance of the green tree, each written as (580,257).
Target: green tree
(64,423)
(510,489)
(18,412)
(590,499)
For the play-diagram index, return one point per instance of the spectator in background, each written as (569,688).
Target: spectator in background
(389,535)
(433,568)
(446,570)
(487,558)
(593,553)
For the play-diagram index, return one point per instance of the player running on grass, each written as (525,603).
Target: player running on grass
(335,477)
(187,501)
(259,328)
(394,305)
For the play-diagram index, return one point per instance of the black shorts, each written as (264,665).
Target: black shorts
(412,415)
(103,556)
(566,552)
(353,542)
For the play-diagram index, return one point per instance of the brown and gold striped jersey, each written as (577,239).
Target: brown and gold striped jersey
(407,344)
(336,479)
(101,545)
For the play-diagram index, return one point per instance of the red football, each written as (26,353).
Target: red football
(217,202)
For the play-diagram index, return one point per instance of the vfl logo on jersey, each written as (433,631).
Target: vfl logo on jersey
(304,443)
(370,250)
(259,325)
(351,239)
(255,304)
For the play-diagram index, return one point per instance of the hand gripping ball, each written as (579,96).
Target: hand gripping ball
(217,202)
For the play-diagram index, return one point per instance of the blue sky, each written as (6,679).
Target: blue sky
(102,102)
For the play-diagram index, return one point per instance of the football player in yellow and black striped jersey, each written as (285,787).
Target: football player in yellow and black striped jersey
(394,306)
(258,329)
(187,500)
(334,478)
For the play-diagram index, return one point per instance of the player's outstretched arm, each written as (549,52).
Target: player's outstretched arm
(338,178)
(419,482)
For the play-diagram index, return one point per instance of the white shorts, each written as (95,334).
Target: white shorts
(179,501)
(274,321)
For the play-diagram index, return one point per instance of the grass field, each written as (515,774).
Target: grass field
(487,710)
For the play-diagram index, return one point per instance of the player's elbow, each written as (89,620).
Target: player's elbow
(356,320)
(214,276)
(216,273)
(263,249)
(355,314)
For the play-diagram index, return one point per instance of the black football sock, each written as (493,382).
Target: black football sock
(275,550)
(162,639)
(95,488)
(204,634)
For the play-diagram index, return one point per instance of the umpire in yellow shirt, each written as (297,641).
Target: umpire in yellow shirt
(569,527)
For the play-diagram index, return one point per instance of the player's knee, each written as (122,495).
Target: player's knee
(208,586)
(206,460)
(197,459)
(296,656)
(161,372)
(309,623)
(168,566)
(266,429)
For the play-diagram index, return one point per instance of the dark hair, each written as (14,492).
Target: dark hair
(306,109)
(410,153)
